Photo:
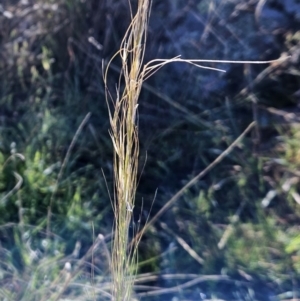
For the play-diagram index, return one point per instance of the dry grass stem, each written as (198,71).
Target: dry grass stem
(184,245)
(123,110)
(194,180)
(185,285)
(62,169)
(124,136)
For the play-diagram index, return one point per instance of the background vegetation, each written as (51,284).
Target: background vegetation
(233,235)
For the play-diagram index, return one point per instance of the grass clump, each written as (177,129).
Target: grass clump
(124,135)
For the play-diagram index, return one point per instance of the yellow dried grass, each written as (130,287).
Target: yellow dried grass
(124,136)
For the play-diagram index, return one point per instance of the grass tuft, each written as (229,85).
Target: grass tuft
(123,110)
(124,135)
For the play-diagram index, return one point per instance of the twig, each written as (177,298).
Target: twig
(184,245)
(66,159)
(190,283)
(194,180)
(229,228)
(15,189)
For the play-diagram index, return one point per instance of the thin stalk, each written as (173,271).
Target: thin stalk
(124,135)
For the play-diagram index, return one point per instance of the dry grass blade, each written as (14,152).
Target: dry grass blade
(122,112)
(230,227)
(184,245)
(62,169)
(124,136)
(194,180)
(15,189)
(185,285)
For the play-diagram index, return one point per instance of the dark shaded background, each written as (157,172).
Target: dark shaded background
(51,77)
